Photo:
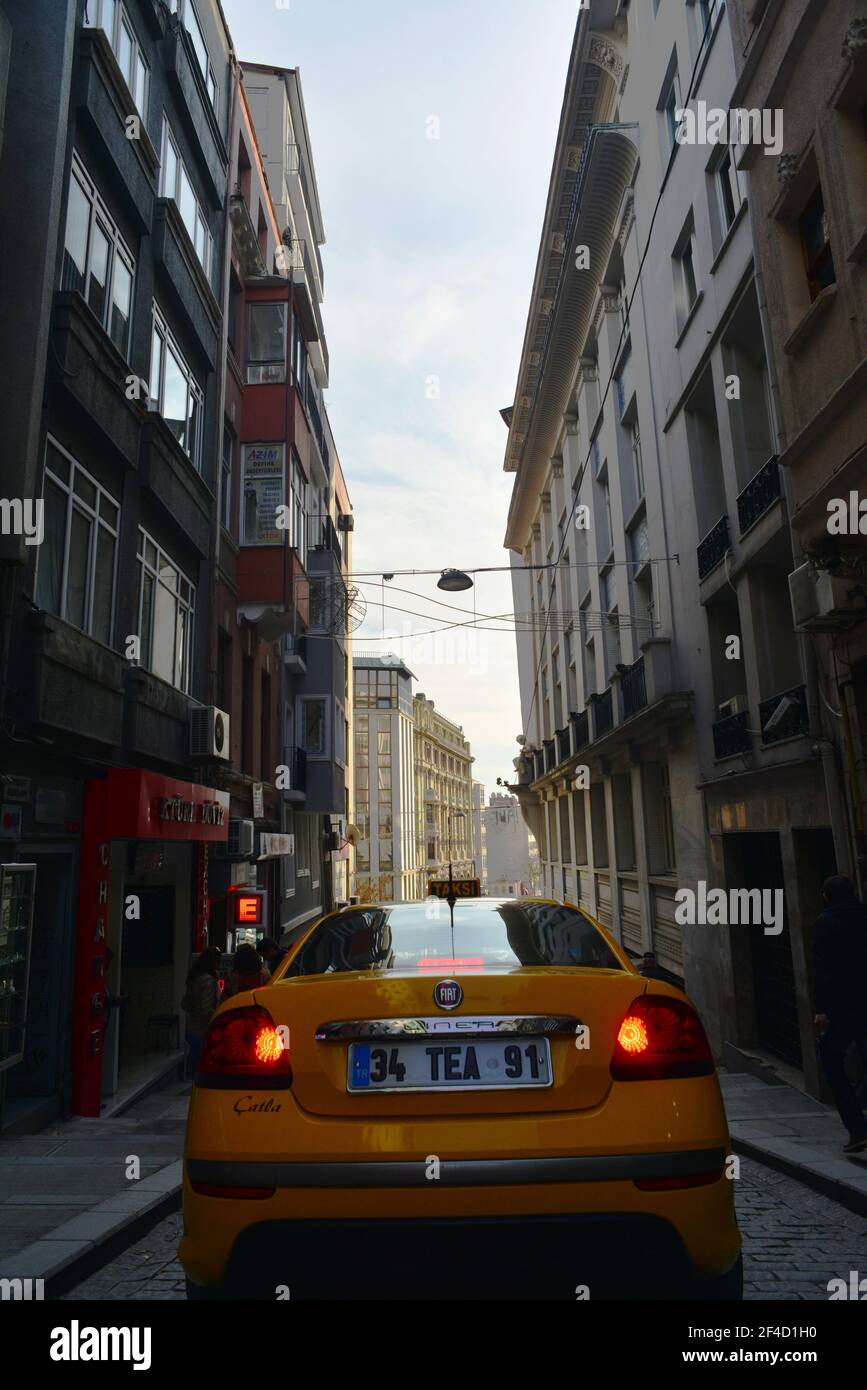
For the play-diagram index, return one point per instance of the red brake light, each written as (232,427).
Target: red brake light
(660,1037)
(245,1046)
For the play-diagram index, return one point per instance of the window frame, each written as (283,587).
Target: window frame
(160,328)
(256,366)
(732,183)
(99,214)
(121,14)
(188,606)
(74,501)
(326,702)
(826,252)
(227,472)
(200,221)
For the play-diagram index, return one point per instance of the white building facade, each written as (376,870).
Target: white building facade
(384,778)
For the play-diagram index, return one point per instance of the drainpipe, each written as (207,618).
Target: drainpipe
(828,749)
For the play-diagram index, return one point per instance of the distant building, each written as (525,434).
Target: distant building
(444,796)
(480,844)
(384,777)
(508,849)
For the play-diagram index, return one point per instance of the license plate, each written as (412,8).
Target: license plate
(489,1065)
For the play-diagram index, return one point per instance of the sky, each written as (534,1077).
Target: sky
(433,124)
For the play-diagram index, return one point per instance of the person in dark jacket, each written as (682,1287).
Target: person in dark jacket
(248,972)
(272,954)
(650,967)
(840,971)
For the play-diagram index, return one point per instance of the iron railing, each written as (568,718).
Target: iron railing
(580,730)
(548,745)
(604,713)
(714,547)
(792,720)
(564,752)
(634,688)
(731,736)
(760,493)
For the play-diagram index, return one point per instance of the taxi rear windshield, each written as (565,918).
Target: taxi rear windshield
(483,936)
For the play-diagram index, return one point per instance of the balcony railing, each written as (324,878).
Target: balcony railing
(564,752)
(731,736)
(550,758)
(634,688)
(604,713)
(538,764)
(793,718)
(760,493)
(714,547)
(580,730)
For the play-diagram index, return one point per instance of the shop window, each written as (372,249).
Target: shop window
(77,558)
(166,605)
(96,260)
(266,343)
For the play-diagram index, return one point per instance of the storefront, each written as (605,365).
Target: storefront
(142,911)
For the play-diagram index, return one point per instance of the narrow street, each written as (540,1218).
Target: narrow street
(795,1240)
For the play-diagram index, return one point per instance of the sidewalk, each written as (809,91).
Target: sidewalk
(783,1128)
(65,1196)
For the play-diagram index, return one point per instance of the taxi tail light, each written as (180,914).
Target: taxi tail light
(245,1045)
(661,1038)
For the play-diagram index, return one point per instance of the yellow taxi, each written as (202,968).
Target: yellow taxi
(476,1100)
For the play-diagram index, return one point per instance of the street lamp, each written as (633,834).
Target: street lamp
(454,581)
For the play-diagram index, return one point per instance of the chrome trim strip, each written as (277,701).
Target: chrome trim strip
(463,1172)
(481,1026)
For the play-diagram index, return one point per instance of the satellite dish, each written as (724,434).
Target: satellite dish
(353,835)
(341,607)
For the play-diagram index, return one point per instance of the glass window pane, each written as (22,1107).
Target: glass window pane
(193,433)
(121,301)
(147,613)
(168,573)
(187,204)
(76,574)
(103,586)
(100,251)
(124,52)
(58,464)
(108,510)
(85,489)
(50,576)
(156,381)
(109,15)
(181,658)
(75,244)
(163,662)
(267,333)
(195,33)
(141,79)
(170,169)
(174,404)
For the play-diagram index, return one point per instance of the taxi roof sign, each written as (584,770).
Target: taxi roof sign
(460,888)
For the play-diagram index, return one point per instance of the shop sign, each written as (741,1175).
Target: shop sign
(258,801)
(180,812)
(276,846)
(264,494)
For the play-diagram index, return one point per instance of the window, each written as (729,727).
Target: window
(263,492)
(685,283)
(299,357)
(175,183)
(298,484)
(96,261)
(314,726)
(658,818)
(178,396)
(266,343)
(112,18)
(707,14)
(188,14)
(816,244)
(76,567)
(670,104)
(226,507)
(637,461)
(728,189)
(166,606)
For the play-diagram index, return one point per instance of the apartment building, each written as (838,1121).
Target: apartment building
(480,848)
(384,773)
(508,849)
(167,426)
(443,796)
(671,732)
(809,211)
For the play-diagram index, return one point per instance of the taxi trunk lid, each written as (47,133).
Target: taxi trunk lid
(579,1012)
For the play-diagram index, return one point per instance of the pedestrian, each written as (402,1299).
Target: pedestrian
(201,998)
(650,967)
(248,972)
(840,971)
(272,954)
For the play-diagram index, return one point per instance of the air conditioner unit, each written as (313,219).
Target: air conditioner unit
(242,838)
(209,734)
(736,705)
(822,602)
(346,522)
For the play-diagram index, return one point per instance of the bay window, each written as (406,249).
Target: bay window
(187,11)
(175,183)
(266,343)
(166,608)
(314,726)
(75,575)
(96,260)
(113,19)
(178,396)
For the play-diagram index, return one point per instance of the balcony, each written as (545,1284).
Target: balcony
(295,759)
(550,756)
(564,752)
(580,730)
(299,265)
(538,764)
(760,494)
(295,655)
(714,548)
(787,715)
(731,736)
(603,706)
(633,688)
(244,238)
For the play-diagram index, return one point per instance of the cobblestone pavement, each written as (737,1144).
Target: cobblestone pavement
(795,1240)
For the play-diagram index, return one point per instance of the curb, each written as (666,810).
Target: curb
(840,1192)
(77,1248)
